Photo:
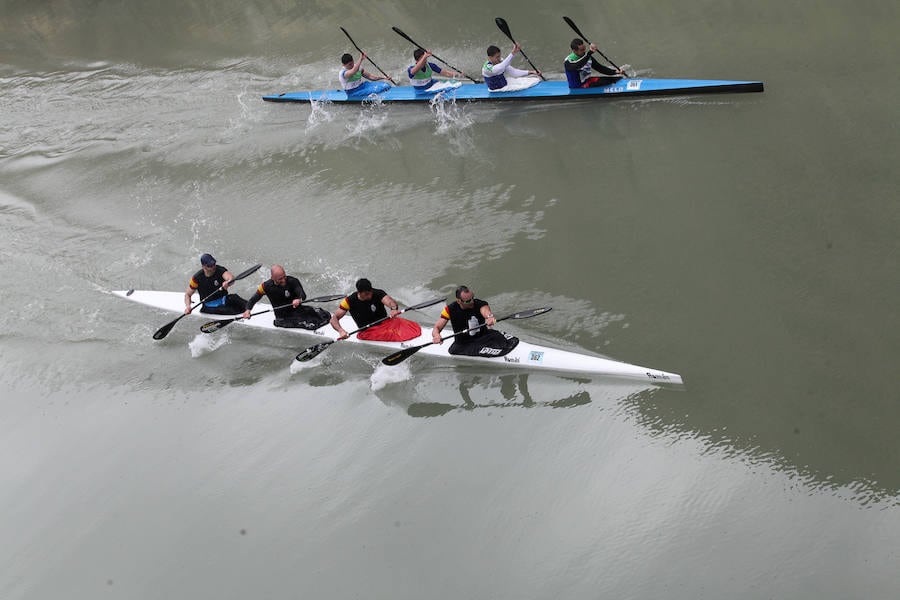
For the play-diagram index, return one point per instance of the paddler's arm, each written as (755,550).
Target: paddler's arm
(436,332)
(336,320)
(297,291)
(371,77)
(597,66)
(420,64)
(188,294)
(391,305)
(253,300)
(227,280)
(489,319)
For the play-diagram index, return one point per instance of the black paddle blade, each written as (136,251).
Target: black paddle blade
(249,271)
(165,329)
(574,27)
(313,351)
(398,357)
(501,24)
(212,326)
(525,314)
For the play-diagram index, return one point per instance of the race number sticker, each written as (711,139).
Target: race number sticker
(634,84)
(535,356)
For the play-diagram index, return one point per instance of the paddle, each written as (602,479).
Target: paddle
(401,355)
(574,27)
(165,329)
(313,351)
(434,56)
(212,326)
(501,23)
(391,79)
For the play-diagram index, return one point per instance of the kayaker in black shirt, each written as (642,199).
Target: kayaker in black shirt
(471,313)
(368,305)
(213,280)
(286,295)
(578,67)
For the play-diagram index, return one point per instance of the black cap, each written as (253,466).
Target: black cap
(363,285)
(207,260)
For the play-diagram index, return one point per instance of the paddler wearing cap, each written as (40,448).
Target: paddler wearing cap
(211,278)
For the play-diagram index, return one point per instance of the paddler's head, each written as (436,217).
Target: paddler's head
(363,289)
(465,297)
(208,263)
(578,47)
(347,60)
(279,277)
(493,54)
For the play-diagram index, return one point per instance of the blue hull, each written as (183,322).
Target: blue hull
(557,90)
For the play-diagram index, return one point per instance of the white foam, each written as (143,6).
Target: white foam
(384,375)
(205,343)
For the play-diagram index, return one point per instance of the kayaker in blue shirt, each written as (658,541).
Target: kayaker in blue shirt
(496,69)
(210,278)
(352,73)
(579,64)
(421,74)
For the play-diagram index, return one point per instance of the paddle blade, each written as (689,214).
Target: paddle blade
(501,24)
(398,357)
(526,314)
(165,329)
(212,326)
(313,351)
(249,271)
(399,32)
(574,27)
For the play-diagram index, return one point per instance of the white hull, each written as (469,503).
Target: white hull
(525,355)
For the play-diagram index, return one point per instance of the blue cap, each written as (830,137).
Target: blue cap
(207,260)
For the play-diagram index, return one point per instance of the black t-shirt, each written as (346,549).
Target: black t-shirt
(464,318)
(208,285)
(278,295)
(365,312)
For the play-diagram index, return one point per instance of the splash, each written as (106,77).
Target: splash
(205,343)
(300,367)
(384,375)
(319,113)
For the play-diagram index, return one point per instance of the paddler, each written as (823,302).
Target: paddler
(286,295)
(421,74)
(472,319)
(579,63)
(205,282)
(352,73)
(496,69)
(370,304)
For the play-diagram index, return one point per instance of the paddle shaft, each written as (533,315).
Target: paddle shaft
(501,24)
(574,27)
(400,32)
(391,79)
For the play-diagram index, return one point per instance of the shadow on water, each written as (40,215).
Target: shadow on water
(663,417)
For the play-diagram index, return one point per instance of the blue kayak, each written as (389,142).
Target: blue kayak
(555,90)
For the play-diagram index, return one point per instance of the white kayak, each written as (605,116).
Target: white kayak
(525,355)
